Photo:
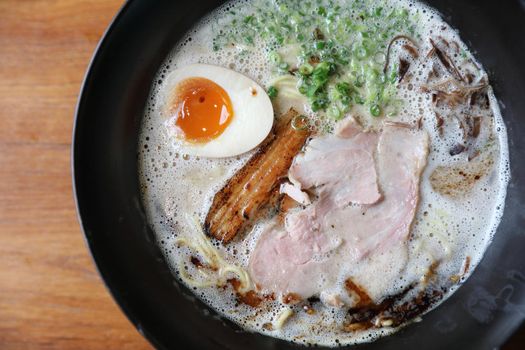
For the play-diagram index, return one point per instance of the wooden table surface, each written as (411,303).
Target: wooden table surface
(51,296)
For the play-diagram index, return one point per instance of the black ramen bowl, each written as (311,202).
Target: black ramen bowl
(480,315)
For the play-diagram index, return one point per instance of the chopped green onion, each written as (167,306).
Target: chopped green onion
(402,13)
(380,58)
(343,88)
(311,91)
(249,19)
(283,65)
(382,79)
(320,74)
(343,65)
(303,89)
(346,101)
(361,52)
(393,76)
(306,69)
(359,100)
(274,57)
(319,45)
(375,110)
(319,104)
(360,80)
(392,112)
(334,112)
(272,91)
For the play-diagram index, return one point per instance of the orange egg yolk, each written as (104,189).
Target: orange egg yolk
(203,109)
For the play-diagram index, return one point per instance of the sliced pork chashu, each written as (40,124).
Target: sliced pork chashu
(321,241)
(342,166)
(237,204)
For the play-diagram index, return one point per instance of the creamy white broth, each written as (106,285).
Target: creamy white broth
(445,229)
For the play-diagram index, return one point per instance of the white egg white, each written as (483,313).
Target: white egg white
(252,112)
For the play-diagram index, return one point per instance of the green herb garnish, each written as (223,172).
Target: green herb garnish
(341,49)
(272,92)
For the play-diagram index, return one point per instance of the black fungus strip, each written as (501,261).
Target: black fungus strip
(446,61)
(403,69)
(457,149)
(394,39)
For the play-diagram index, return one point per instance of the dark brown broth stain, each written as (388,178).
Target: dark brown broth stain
(439,122)
(314,60)
(318,34)
(431,273)
(363,317)
(466,267)
(457,149)
(411,309)
(250,298)
(458,180)
(308,309)
(392,310)
(356,290)
(195,261)
(267,326)
(292,298)
(200,265)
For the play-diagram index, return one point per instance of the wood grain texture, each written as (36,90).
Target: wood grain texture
(51,296)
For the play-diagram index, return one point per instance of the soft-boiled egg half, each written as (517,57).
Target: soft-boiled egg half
(213,111)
